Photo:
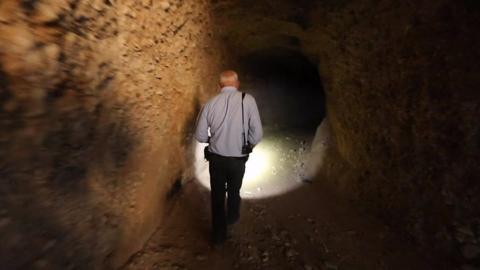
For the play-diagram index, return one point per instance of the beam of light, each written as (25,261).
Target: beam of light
(272,169)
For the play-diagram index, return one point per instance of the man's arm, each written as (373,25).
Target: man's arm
(255,130)
(201,131)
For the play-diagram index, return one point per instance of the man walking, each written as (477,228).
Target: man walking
(231,124)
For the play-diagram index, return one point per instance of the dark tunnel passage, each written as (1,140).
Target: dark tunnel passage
(289,94)
(370,157)
(287,88)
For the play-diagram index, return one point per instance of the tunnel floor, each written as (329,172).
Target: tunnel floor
(308,228)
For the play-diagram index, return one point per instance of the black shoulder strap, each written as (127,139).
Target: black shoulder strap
(243,122)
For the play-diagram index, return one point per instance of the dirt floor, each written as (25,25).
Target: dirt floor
(305,229)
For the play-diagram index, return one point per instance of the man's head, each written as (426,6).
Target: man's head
(229,78)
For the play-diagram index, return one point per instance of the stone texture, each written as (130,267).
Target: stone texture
(94,94)
(402,108)
(93,97)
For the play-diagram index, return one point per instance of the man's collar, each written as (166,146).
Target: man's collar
(229,89)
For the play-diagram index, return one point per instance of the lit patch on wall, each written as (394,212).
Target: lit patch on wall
(273,168)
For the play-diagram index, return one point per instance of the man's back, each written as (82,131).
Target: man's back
(223,115)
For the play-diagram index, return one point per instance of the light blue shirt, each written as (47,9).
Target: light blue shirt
(222,116)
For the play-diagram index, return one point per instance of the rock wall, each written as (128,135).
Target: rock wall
(403,104)
(98,97)
(401,79)
(97,101)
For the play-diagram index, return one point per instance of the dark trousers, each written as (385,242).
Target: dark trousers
(226,174)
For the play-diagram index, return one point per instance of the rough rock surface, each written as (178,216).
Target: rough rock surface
(403,106)
(97,98)
(93,97)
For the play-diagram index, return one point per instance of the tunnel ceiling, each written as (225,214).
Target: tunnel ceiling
(310,27)
(247,26)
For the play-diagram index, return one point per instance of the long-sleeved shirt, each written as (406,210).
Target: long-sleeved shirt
(222,117)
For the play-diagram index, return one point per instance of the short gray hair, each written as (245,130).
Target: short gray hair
(228,77)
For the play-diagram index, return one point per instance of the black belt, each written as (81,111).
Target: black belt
(245,158)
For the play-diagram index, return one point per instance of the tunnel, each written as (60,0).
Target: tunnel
(369,159)
(278,78)
(281,78)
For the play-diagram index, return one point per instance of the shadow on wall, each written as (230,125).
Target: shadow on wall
(188,140)
(64,141)
(192,119)
(61,158)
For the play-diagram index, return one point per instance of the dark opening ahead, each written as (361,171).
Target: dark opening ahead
(287,88)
